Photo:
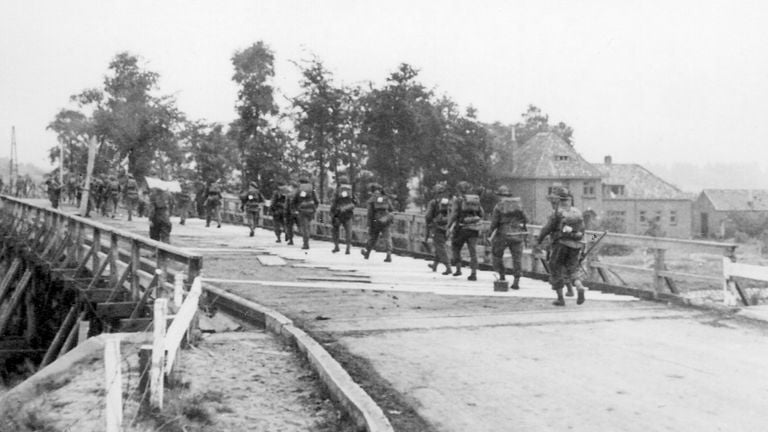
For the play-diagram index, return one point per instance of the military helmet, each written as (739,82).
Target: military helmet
(440,188)
(253,184)
(342,180)
(463,186)
(374,187)
(503,190)
(560,193)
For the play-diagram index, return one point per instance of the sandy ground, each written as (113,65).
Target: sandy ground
(231,382)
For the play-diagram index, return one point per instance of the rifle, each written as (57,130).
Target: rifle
(591,249)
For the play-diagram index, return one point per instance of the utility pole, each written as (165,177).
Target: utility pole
(13,170)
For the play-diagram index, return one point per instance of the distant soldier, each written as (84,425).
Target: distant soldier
(250,203)
(113,195)
(20,187)
(305,202)
(438,212)
(342,212)
(465,220)
(80,186)
(54,191)
(183,201)
(160,215)
(278,207)
(131,195)
(508,231)
(566,228)
(380,220)
(213,204)
(291,213)
(71,188)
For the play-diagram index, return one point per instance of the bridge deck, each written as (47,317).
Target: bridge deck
(469,359)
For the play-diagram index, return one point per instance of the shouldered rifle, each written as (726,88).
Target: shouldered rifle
(592,247)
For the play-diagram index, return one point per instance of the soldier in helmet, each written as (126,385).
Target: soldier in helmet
(213,204)
(508,231)
(438,212)
(342,211)
(54,190)
(566,228)
(305,202)
(278,207)
(291,212)
(183,201)
(113,195)
(160,215)
(131,197)
(250,203)
(380,218)
(465,220)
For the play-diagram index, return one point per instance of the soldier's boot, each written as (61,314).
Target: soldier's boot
(366,253)
(290,241)
(305,245)
(580,299)
(251,232)
(447,270)
(516,283)
(347,251)
(182,222)
(502,276)
(335,248)
(560,299)
(388,258)
(569,292)
(218,226)
(472,276)
(433,266)
(458,271)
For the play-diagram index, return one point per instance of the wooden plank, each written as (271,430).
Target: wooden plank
(156,370)
(18,292)
(83,329)
(145,296)
(113,384)
(746,271)
(64,329)
(609,266)
(104,295)
(332,279)
(271,260)
(6,282)
(689,276)
(181,323)
(132,325)
(117,309)
(71,340)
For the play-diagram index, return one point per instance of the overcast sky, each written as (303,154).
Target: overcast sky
(646,81)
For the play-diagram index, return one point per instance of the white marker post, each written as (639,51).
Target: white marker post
(157,369)
(114,384)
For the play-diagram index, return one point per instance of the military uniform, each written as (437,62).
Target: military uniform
(113,194)
(305,202)
(54,191)
(160,215)
(508,228)
(278,207)
(438,212)
(342,212)
(466,218)
(250,203)
(380,220)
(183,200)
(291,214)
(131,197)
(213,205)
(566,228)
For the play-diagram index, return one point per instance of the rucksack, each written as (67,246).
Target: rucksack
(306,201)
(470,210)
(442,211)
(344,199)
(381,207)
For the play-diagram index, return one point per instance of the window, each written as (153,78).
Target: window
(658,216)
(673,217)
(561,158)
(613,191)
(589,189)
(642,216)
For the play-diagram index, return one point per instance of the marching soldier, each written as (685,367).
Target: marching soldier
(380,218)
(54,191)
(160,215)
(342,211)
(305,202)
(250,203)
(466,216)
(291,213)
(438,212)
(183,200)
(566,228)
(508,231)
(112,194)
(131,197)
(278,207)
(213,204)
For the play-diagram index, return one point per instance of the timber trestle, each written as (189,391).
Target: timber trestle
(64,278)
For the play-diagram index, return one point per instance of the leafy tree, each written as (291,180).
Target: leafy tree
(260,144)
(535,121)
(74,129)
(319,118)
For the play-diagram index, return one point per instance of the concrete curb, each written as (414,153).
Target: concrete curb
(356,402)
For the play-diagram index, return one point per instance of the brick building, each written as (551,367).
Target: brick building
(713,209)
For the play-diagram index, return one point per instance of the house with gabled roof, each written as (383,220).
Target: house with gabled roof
(626,192)
(639,199)
(713,208)
(546,161)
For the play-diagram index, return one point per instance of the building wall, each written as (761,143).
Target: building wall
(533,194)
(634,211)
(715,218)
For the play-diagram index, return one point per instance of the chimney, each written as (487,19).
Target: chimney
(513,150)
(608,160)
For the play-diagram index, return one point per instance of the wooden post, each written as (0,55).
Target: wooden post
(58,340)
(157,370)
(71,340)
(178,290)
(113,384)
(96,247)
(5,317)
(114,257)
(82,331)
(87,186)
(135,265)
(658,267)
(145,362)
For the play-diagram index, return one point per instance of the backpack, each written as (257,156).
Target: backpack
(442,210)
(381,213)
(344,201)
(305,194)
(470,211)
(510,222)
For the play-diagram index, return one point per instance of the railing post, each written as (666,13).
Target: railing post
(157,370)
(114,256)
(96,248)
(658,267)
(114,384)
(135,265)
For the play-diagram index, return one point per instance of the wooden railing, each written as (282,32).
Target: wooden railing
(657,276)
